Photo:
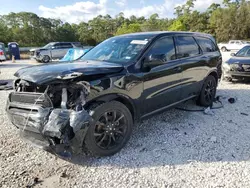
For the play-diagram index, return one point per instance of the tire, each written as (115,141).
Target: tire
(223,49)
(104,136)
(46,59)
(208,92)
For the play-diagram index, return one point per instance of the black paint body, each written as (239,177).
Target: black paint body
(144,92)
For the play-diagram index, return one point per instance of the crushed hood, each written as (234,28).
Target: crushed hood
(239,60)
(42,74)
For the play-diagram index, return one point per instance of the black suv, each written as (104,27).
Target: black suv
(92,104)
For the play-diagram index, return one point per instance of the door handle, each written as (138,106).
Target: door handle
(177,69)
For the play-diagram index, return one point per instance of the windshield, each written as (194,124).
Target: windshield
(244,52)
(118,49)
(49,45)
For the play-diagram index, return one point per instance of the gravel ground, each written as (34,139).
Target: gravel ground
(173,149)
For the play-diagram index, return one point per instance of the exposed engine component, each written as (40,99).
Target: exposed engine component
(66,114)
(66,96)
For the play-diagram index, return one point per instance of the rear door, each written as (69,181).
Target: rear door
(55,51)
(65,47)
(162,83)
(211,53)
(193,71)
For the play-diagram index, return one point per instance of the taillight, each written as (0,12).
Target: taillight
(1,52)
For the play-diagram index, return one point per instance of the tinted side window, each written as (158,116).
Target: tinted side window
(187,47)
(206,44)
(58,45)
(164,48)
(66,45)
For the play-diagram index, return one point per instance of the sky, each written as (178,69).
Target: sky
(75,11)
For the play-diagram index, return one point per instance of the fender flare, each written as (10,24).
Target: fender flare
(124,99)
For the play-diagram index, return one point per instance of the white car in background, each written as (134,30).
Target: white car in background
(2,56)
(233,45)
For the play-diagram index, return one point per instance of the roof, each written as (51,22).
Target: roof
(12,43)
(155,33)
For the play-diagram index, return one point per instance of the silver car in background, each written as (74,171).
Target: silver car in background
(53,51)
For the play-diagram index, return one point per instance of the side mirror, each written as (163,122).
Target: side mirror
(53,47)
(152,61)
(233,54)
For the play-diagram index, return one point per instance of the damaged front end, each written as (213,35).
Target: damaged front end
(51,116)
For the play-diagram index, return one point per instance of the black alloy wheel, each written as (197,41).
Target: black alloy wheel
(110,130)
(208,92)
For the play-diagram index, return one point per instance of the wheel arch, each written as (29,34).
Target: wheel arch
(215,75)
(126,100)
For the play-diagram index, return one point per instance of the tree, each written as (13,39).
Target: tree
(177,26)
(131,28)
(229,20)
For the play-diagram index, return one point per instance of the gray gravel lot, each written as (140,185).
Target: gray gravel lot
(173,149)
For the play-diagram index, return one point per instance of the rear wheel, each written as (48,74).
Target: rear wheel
(110,130)
(224,49)
(208,92)
(46,59)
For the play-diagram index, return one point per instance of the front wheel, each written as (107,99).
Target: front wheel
(46,59)
(110,130)
(208,92)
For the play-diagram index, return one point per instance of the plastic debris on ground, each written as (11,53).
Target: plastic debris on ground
(208,111)
(244,114)
(5,85)
(231,100)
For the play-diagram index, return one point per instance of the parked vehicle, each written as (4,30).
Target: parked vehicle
(2,47)
(53,50)
(238,66)
(94,102)
(232,45)
(2,56)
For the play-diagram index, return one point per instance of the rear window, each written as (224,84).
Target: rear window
(206,44)
(187,47)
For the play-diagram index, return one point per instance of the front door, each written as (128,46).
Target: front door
(162,82)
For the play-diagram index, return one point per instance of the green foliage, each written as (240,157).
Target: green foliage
(128,28)
(229,20)
(177,26)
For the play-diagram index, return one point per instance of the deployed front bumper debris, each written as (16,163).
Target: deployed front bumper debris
(58,120)
(60,130)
